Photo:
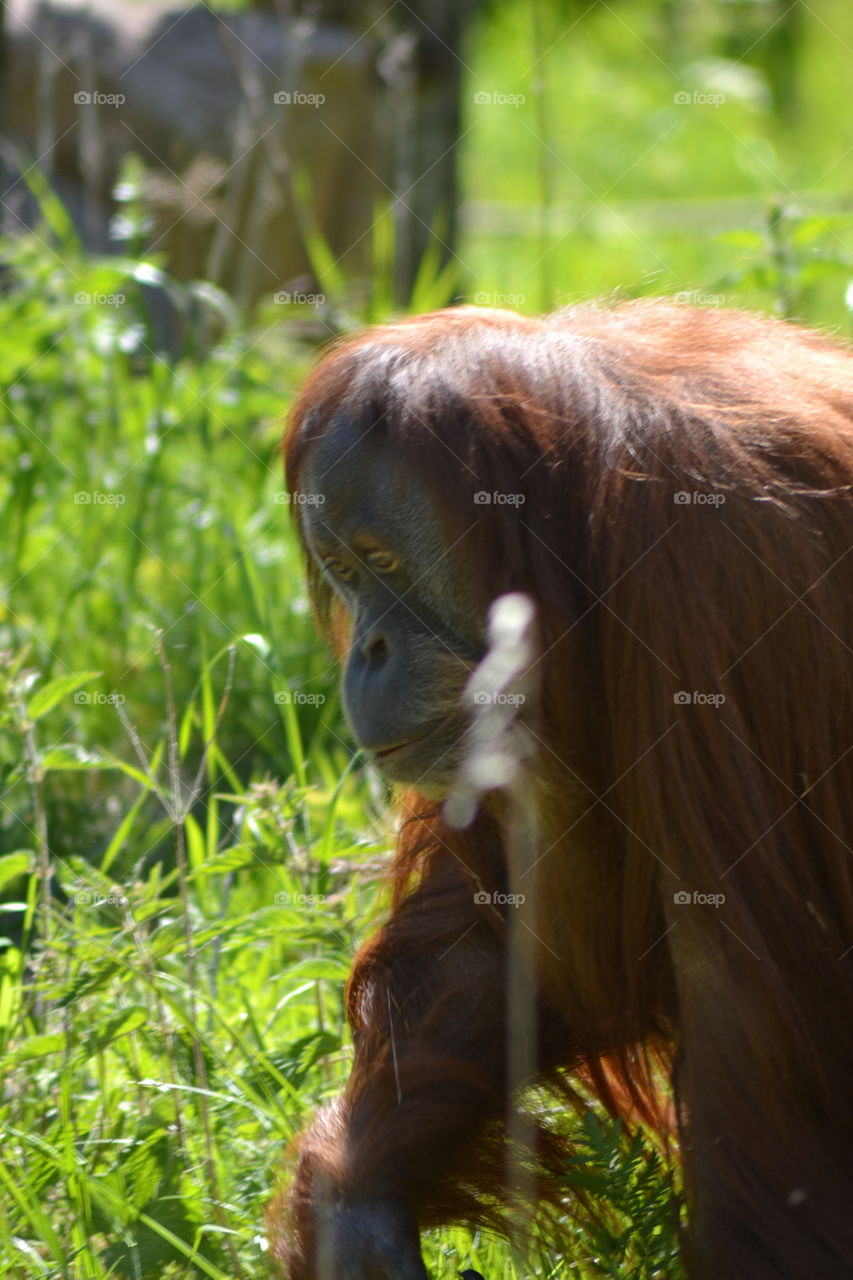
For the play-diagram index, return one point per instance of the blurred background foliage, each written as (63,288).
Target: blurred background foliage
(189,849)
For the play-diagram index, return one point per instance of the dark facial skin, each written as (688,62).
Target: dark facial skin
(415,634)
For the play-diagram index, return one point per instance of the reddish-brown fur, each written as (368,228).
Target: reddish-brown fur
(600,416)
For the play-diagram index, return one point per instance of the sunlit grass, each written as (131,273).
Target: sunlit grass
(189,853)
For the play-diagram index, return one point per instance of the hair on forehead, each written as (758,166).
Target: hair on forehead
(593,401)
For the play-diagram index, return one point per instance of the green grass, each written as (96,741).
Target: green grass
(187,858)
(599,181)
(189,854)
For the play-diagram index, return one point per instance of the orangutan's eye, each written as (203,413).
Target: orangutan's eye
(383,561)
(337,569)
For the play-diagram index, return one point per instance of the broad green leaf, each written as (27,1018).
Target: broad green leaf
(55,690)
(120,1024)
(40,1046)
(71,755)
(13,865)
